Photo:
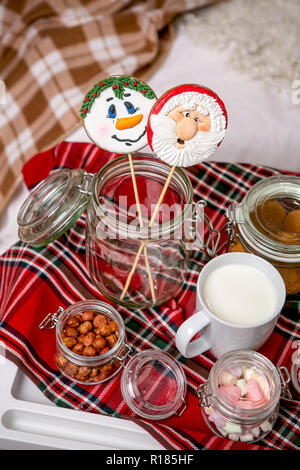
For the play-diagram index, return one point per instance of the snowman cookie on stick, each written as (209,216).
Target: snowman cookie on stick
(185,127)
(115,113)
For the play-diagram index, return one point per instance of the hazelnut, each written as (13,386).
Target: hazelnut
(89,351)
(71,332)
(79,317)
(113,326)
(99,377)
(80,339)
(99,320)
(99,342)
(84,371)
(85,327)
(73,322)
(69,342)
(111,340)
(88,316)
(94,371)
(106,368)
(104,330)
(71,369)
(81,378)
(88,338)
(104,350)
(78,348)
(61,360)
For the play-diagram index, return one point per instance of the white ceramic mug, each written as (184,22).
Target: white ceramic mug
(220,336)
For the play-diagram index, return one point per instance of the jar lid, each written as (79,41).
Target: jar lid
(53,206)
(271,215)
(153,385)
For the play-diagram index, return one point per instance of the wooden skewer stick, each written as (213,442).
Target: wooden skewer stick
(143,245)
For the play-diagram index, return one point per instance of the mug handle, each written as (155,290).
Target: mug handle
(188,330)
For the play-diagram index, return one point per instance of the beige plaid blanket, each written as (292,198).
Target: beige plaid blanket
(52,51)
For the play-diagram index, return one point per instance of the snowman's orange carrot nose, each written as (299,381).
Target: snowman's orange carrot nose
(126,123)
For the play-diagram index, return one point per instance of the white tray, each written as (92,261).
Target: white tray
(30,421)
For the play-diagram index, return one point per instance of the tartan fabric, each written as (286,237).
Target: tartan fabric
(35,281)
(53,51)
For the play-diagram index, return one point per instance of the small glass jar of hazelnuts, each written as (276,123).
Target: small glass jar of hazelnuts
(91,347)
(90,341)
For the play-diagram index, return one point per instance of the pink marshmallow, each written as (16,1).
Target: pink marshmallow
(254,392)
(245,404)
(217,420)
(232,392)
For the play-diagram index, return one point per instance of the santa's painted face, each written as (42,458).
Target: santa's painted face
(188,123)
(117,122)
(187,129)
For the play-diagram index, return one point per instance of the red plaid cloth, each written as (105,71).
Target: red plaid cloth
(35,281)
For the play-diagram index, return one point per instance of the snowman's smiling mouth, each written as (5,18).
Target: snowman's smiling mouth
(130,141)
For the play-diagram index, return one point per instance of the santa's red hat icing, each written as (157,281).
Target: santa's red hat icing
(186,125)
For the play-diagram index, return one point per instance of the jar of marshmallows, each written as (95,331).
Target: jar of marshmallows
(240,400)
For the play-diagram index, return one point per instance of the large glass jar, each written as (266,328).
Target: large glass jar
(240,400)
(130,263)
(267,223)
(115,239)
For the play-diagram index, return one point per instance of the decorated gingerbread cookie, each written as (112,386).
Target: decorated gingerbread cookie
(115,113)
(186,125)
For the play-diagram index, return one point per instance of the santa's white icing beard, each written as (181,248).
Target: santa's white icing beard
(195,150)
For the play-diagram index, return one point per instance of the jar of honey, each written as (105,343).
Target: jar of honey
(267,223)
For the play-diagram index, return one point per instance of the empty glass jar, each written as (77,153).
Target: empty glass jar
(130,263)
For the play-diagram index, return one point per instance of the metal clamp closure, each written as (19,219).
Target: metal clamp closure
(284,380)
(51,319)
(123,358)
(85,186)
(212,246)
(203,396)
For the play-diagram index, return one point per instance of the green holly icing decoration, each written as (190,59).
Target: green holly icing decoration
(118,85)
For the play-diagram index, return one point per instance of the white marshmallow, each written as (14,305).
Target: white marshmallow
(208,410)
(241,383)
(246,437)
(234,437)
(227,378)
(265,426)
(255,431)
(232,428)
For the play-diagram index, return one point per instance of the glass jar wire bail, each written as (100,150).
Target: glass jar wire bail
(285,379)
(212,245)
(51,319)
(203,395)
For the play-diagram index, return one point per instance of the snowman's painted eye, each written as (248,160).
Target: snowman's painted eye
(129,106)
(112,111)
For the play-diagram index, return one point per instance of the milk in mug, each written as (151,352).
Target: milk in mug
(239,294)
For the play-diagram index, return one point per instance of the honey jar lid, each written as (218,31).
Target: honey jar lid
(53,206)
(153,385)
(271,216)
